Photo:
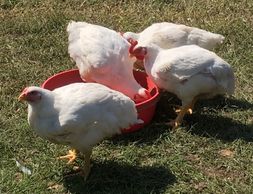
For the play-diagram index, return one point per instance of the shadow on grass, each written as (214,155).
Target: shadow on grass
(210,125)
(219,127)
(221,102)
(111,177)
(205,120)
(153,131)
(147,135)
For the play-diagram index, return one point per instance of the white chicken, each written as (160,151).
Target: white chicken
(79,115)
(169,35)
(102,56)
(190,72)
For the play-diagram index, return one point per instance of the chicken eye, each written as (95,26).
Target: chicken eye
(33,93)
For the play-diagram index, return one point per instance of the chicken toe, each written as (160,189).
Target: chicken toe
(181,113)
(179,119)
(173,124)
(81,171)
(189,111)
(71,156)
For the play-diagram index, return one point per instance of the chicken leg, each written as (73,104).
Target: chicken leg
(71,156)
(178,110)
(85,170)
(87,165)
(191,106)
(182,111)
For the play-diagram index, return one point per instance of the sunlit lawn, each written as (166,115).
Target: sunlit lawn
(211,153)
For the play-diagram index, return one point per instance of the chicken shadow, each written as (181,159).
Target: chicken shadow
(203,122)
(158,128)
(221,102)
(154,130)
(112,177)
(219,127)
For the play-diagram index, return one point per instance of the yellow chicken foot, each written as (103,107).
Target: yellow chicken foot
(191,105)
(175,123)
(183,110)
(82,171)
(71,156)
(189,111)
(172,124)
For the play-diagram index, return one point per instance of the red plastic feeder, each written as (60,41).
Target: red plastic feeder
(146,109)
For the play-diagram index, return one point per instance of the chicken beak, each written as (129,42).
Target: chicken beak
(22,97)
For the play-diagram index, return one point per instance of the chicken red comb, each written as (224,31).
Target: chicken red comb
(133,44)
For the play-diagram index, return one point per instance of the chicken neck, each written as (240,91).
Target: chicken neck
(152,53)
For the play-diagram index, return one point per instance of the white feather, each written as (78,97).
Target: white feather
(169,35)
(81,114)
(22,168)
(189,71)
(101,55)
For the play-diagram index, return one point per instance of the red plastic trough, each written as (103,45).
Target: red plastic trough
(146,109)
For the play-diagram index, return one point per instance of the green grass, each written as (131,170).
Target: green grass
(33,46)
